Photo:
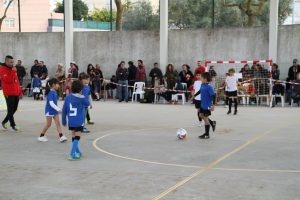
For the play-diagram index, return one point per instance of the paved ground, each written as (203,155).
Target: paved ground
(132,153)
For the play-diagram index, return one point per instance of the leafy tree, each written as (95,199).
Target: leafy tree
(257,11)
(102,15)
(80,9)
(4,14)
(237,13)
(141,17)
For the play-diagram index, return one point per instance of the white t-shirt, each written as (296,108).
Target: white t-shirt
(231,83)
(197,86)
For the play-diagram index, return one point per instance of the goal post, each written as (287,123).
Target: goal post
(254,75)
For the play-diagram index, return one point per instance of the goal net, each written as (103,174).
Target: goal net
(254,76)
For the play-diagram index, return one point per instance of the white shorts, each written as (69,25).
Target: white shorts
(36,90)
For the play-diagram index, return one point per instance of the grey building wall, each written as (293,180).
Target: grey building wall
(185,46)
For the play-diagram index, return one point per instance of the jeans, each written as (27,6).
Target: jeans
(123,90)
(12,103)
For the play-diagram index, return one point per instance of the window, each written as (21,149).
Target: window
(9,22)
(5,3)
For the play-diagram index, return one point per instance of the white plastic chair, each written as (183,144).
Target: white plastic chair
(138,89)
(182,95)
(274,99)
(258,97)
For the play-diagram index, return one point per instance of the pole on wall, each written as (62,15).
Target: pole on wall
(111,17)
(19,15)
(68,6)
(273,30)
(163,44)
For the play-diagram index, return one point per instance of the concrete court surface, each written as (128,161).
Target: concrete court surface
(132,153)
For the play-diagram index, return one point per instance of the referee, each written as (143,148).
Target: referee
(11,90)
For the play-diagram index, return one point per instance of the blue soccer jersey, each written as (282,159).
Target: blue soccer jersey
(207,93)
(86,92)
(51,108)
(73,110)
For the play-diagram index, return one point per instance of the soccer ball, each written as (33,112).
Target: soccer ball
(181,134)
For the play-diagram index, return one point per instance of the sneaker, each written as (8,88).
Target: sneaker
(63,139)
(235,112)
(74,157)
(214,124)
(4,125)
(43,139)
(228,112)
(90,122)
(16,129)
(85,130)
(78,155)
(204,136)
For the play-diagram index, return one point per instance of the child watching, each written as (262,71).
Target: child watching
(36,85)
(67,85)
(231,84)
(73,113)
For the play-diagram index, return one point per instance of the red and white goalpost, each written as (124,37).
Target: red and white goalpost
(267,93)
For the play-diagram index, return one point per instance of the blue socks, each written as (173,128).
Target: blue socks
(75,148)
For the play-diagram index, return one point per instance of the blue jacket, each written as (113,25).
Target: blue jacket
(207,93)
(73,110)
(36,82)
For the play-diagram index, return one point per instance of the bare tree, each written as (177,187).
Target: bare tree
(251,8)
(4,14)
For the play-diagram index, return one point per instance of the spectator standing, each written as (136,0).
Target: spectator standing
(35,68)
(199,68)
(11,90)
(212,72)
(132,69)
(43,69)
(97,81)
(21,71)
(122,76)
(140,72)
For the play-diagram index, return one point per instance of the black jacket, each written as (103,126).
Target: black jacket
(293,71)
(122,74)
(132,72)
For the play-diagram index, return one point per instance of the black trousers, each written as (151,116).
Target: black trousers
(88,115)
(12,103)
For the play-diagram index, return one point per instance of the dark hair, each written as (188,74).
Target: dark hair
(130,63)
(198,72)
(122,62)
(155,63)
(206,76)
(49,85)
(8,57)
(88,68)
(140,61)
(76,86)
(83,76)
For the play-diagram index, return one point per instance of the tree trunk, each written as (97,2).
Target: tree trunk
(250,20)
(119,18)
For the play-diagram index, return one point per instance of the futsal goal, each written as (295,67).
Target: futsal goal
(254,76)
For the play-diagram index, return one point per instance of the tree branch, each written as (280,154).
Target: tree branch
(5,11)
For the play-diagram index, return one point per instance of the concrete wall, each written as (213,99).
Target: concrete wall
(188,46)
(110,48)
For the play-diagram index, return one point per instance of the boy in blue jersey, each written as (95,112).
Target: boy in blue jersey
(208,100)
(86,92)
(73,112)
